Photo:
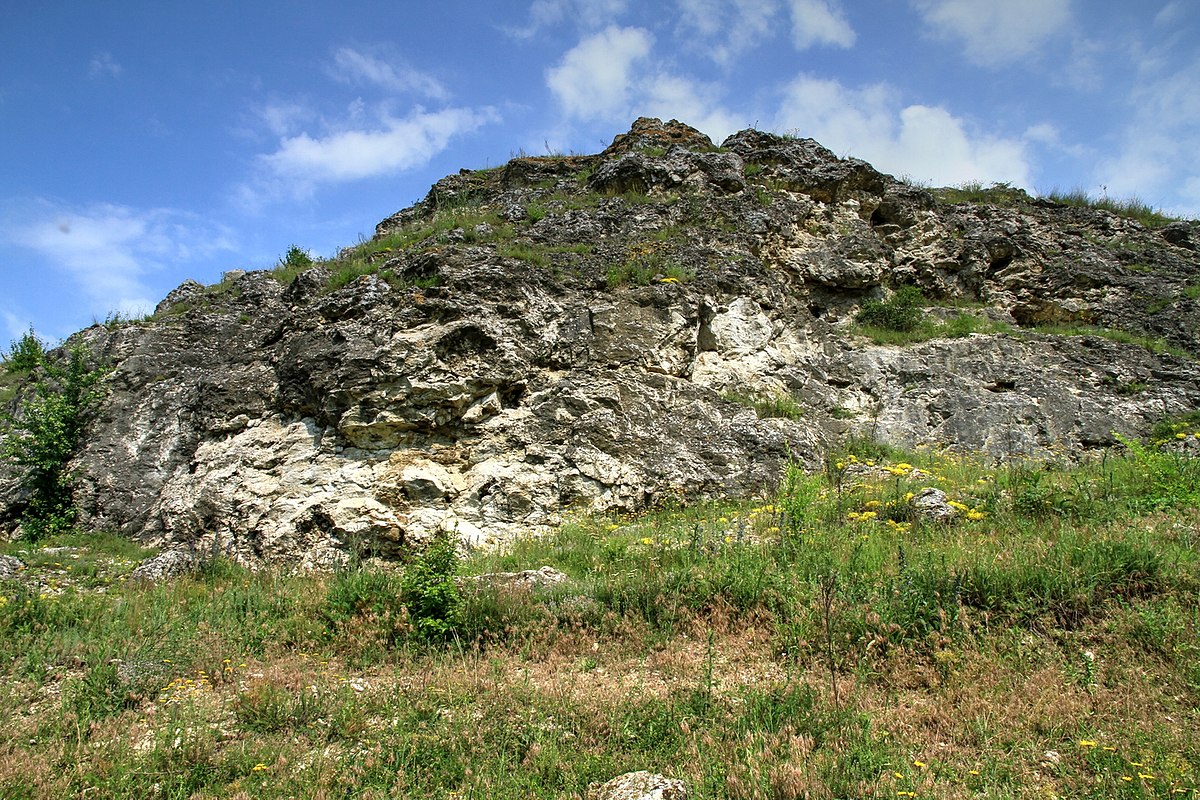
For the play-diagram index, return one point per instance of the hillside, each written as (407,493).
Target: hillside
(667,318)
(804,483)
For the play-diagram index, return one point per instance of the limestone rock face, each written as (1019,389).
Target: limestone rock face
(585,332)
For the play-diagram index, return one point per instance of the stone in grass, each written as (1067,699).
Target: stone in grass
(9,567)
(933,504)
(164,566)
(638,786)
(530,578)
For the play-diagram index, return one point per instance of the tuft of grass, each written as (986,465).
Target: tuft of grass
(1130,208)
(767,405)
(900,313)
(527,253)
(1156,346)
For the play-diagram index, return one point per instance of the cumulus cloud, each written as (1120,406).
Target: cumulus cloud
(995,32)
(925,142)
(390,146)
(611,76)
(820,22)
(109,250)
(593,79)
(726,29)
(698,104)
(103,65)
(353,66)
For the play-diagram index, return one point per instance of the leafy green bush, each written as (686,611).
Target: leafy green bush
(25,354)
(296,258)
(434,603)
(900,312)
(45,433)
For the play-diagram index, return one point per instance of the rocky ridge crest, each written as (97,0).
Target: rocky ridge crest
(597,332)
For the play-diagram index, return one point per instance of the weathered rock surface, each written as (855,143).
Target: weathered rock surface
(165,566)
(10,567)
(525,579)
(639,786)
(582,332)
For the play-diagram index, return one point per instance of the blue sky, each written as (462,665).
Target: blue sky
(144,143)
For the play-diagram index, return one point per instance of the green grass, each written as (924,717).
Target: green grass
(1004,194)
(1156,346)
(824,641)
(927,328)
(1131,208)
(767,405)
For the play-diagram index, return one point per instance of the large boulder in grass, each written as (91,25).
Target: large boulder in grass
(639,786)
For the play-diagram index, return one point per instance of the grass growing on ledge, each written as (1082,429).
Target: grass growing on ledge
(768,405)
(827,641)
(1156,346)
(956,327)
(1130,208)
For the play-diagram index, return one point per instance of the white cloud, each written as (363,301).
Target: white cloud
(671,97)
(352,66)
(102,65)
(924,142)
(995,32)
(817,22)
(108,250)
(593,79)
(283,118)
(725,30)
(588,15)
(394,145)
(1170,14)
(1156,160)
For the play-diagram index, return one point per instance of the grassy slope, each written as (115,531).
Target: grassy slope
(825,643)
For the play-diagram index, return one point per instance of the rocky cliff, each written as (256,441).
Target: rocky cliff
(666,318)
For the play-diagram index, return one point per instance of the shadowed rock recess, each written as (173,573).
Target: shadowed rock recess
(597,332)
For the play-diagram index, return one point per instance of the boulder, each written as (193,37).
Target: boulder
(638,786)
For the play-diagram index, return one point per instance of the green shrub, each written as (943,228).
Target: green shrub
(900,312)
(434,603)
(44,434)
(25,354)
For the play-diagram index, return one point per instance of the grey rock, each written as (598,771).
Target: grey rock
(10,567)
(933,504)
(639,786)
(165,566)
(182,293)
(529,579)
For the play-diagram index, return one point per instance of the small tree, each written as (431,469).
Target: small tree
(24,354)
(296,258)
(434,603)
(45,432)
